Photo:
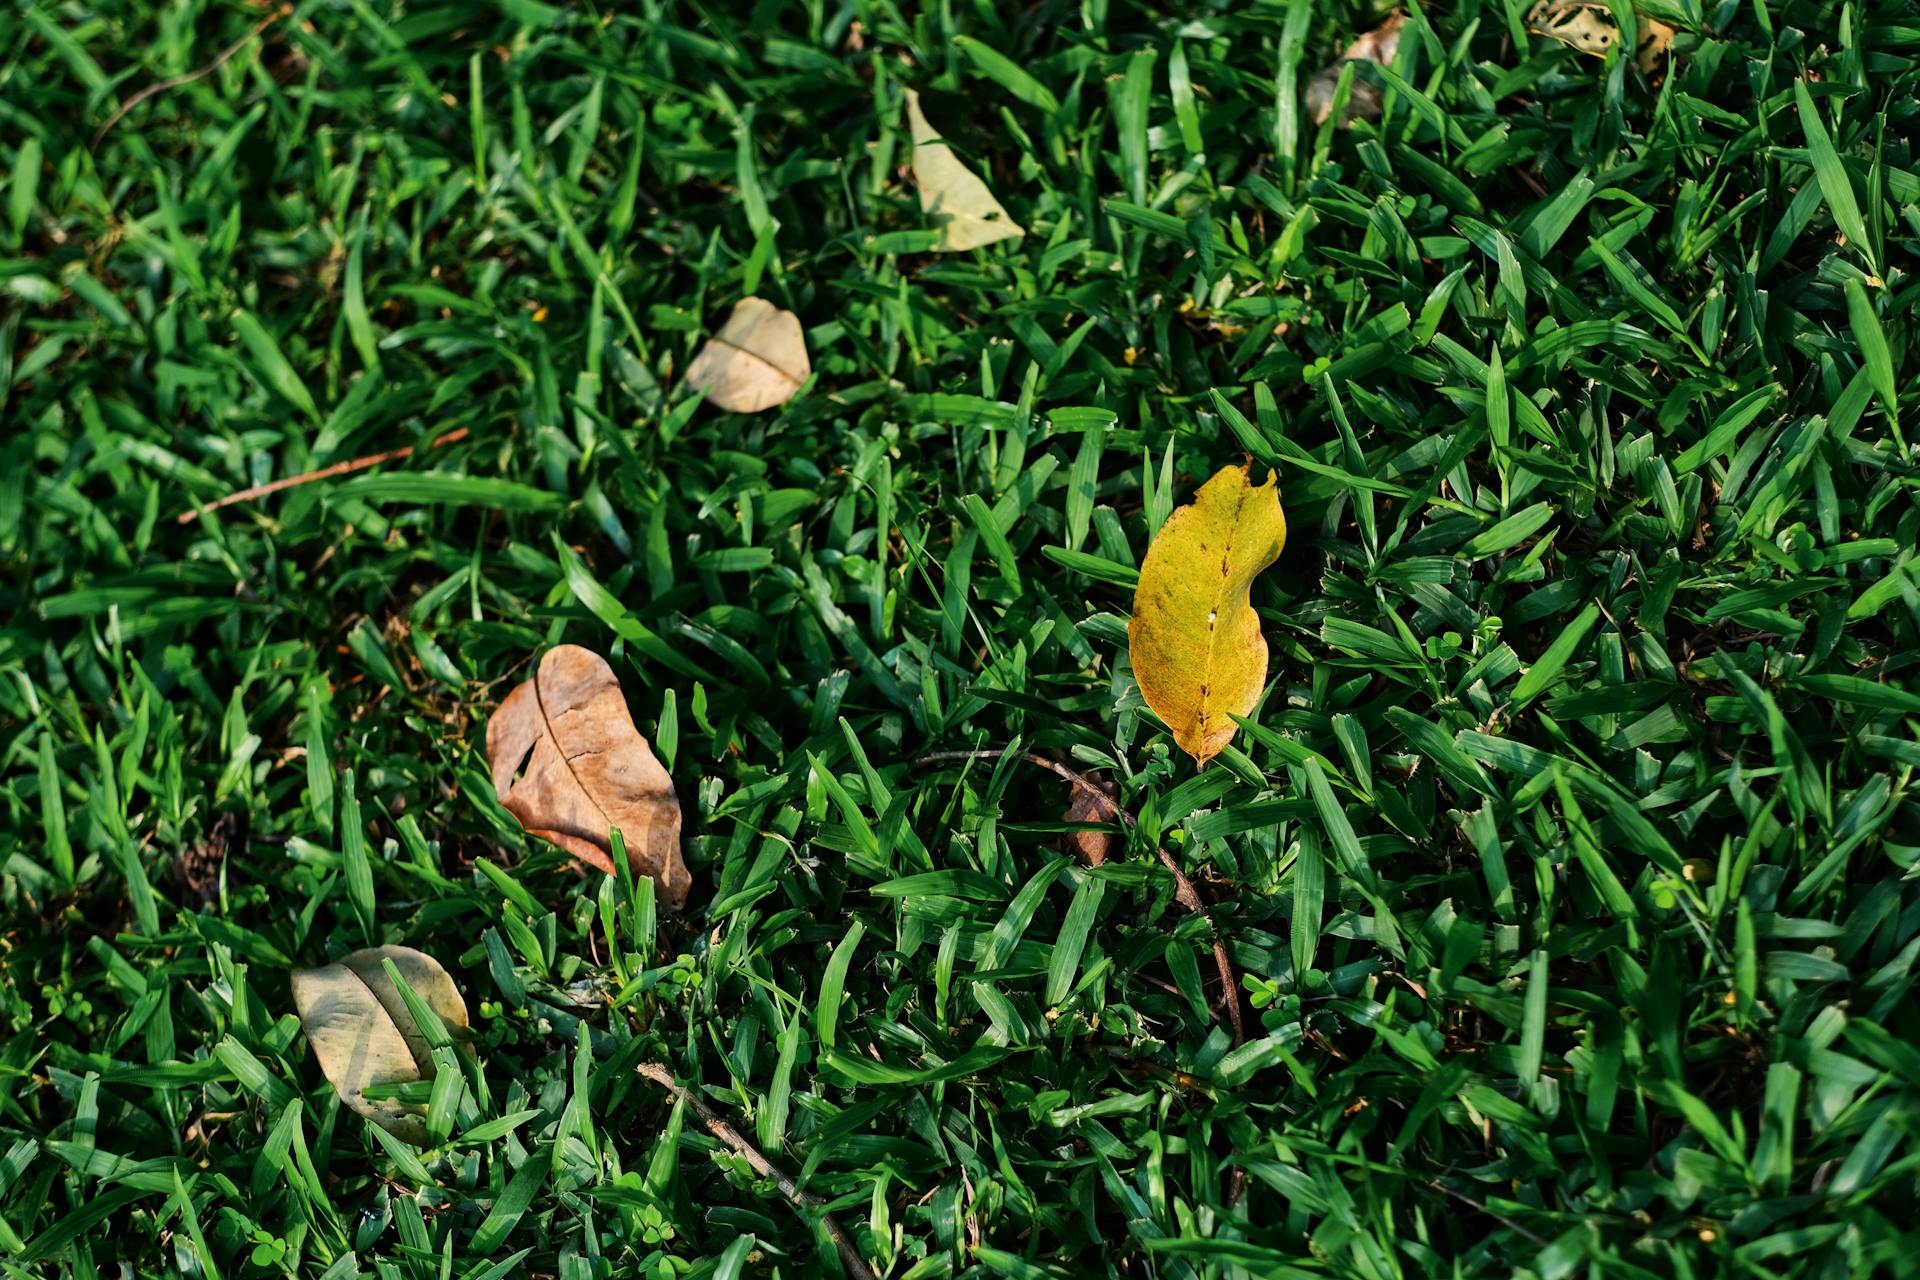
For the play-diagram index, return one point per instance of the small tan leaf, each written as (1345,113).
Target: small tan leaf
(1381,45)
(756,361)
(1092,805)
(362,1034)
(1589,27)
(586,770)
(1195,640)
(961,206)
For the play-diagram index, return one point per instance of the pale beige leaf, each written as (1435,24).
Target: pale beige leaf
(1381,45)
(959,203)
(568,762)
(756,361)
(1589,27)
(428,981)
(363,1036)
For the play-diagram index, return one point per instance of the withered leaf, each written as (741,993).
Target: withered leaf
(1381,45)
(960,204)
(758,359)
(363,1034)
(1091,804)
(568,762)
(1589,27)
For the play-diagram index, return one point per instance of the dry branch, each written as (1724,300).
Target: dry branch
(849,1252)
(308,477)
(1183,891)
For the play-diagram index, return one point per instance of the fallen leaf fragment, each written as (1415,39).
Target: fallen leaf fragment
(1195,640)
(1380,45)
(960,204)
(363,1036)
(568,762)
(1656,38)
(756,361)
(1092,804)
(1589,27)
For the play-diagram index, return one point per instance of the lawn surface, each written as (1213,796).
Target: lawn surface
(1564,867)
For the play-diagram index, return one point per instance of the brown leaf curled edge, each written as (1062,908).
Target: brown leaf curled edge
(1380,45)
(586,770)
(1092,803)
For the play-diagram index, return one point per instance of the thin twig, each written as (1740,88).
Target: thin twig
(337,469)
(1183,891)
(1502,1219)
(849,1252)
(174,82)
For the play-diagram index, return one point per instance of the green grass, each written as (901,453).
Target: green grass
(1567,864)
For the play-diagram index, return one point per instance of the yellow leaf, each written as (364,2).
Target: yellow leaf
(361,1032)
(960,204)
(756,361)
(1195,640)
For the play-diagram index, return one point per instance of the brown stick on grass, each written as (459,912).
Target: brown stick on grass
(308,477)
(1183,891)
(174,82)
(849,1252)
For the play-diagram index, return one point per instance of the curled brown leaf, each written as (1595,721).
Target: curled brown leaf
(1093,802)
(1380,45)
(568,762)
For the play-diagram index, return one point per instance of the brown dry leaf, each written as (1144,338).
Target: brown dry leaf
(569,764)
(1195,640)
(953,195)
(363,1035)
(1091,805)
(1381,45)
(756,361)
(1589,27)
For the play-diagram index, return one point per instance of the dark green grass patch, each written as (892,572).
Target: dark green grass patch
(1565,865)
